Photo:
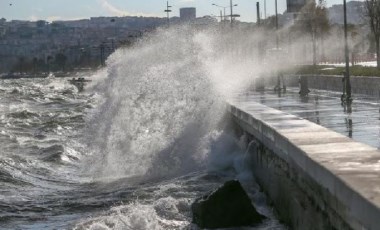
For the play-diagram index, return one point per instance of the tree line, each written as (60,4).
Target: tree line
(313,26)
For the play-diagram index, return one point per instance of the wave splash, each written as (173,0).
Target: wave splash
(160,126)
(160,106)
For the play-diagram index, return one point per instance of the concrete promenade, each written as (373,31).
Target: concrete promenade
(361,121)
(317,178)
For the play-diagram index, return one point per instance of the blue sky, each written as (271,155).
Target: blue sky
(75,9)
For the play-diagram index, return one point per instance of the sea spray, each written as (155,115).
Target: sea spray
(160,125)
(158,105)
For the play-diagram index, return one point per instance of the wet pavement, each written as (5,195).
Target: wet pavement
(343,172)
(361,121)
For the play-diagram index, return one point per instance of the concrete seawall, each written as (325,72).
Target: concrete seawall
(360,84)
(316,178)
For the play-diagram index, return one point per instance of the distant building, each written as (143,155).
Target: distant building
(78,40)
(187,14)
(294,6)
(2,27)
(355,12)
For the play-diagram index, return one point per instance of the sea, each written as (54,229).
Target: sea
(147,136)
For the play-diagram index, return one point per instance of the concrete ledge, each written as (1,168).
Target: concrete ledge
(341,177)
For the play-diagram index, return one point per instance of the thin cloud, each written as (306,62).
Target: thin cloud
(113,10)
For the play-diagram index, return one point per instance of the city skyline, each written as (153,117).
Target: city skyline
(72,10)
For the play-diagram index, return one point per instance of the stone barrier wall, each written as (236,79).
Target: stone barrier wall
(316,178)
(359,84)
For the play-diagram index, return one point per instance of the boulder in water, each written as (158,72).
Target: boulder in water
(229,206)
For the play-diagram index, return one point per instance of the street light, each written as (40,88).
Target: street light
(347,93)
(279,76)
(168,10)
(232,14)
(258,13)
(276,24)
(224,10)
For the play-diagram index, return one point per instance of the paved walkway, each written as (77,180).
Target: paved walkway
(340,173)
(360,122)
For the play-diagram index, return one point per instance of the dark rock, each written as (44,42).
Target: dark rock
(229,206)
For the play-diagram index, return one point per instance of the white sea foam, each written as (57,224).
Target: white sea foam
(139,216)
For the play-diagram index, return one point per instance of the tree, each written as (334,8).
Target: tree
(313,19)
(372,11)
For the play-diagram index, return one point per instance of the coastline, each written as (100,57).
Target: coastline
(59,74)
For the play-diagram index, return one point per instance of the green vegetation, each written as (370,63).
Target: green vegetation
(332,70)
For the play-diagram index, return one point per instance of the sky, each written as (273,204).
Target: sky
(51,10)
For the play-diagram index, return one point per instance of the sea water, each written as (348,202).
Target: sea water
(137,147)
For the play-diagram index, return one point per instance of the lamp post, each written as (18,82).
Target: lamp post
(258,12)
(276,24)
(347,93)
(224,10)
(232,13)
(231,8)
(168,10)
(279,76)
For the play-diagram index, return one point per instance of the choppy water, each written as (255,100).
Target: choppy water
(131,152)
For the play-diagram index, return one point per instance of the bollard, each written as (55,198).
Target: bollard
(280,86)
(304,88)
(343,97)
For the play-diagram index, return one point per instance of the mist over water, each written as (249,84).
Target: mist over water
(133,151)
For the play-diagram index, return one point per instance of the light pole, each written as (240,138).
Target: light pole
(258,12)
(224,10)
(232,13)
(168,10)
(231,7)
(279,76)
(276,24)
(347,82)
